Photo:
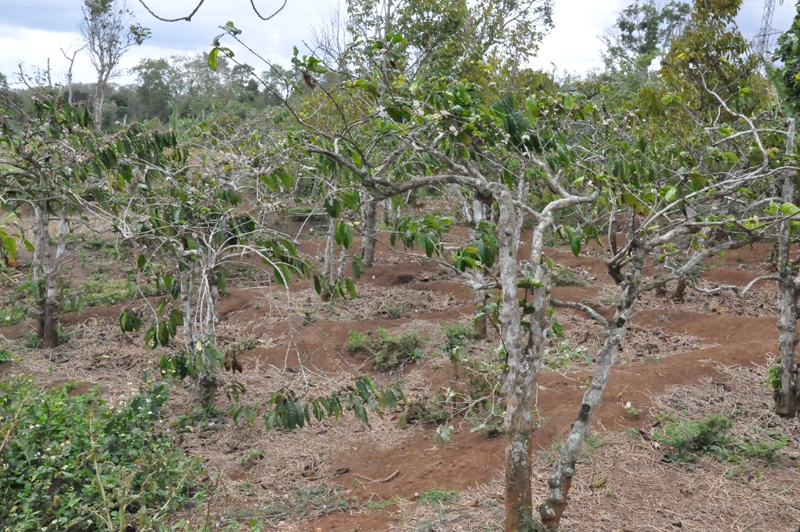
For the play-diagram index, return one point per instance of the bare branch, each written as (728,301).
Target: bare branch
(187,18)
(592,313)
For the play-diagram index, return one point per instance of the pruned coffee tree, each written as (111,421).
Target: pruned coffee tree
(48,162)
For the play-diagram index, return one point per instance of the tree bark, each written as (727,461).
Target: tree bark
(482,321)
(564,469)
(786,398)
(46,265)
(524,361)
(329,264)
(186,308)
(370,222)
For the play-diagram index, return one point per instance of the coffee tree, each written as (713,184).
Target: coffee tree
(49,160)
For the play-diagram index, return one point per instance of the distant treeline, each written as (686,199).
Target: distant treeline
(185,83)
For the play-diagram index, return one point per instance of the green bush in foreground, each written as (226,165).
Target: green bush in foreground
(75,463)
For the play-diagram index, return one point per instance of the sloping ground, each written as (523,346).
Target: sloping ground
(347,476)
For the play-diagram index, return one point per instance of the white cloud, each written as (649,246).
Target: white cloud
(33,30)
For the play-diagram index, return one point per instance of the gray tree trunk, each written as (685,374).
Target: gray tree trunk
(481,323)
(524,362)
(370,223)
(329,264)
(46,266)
(786,399)
(186,280)
(564,469)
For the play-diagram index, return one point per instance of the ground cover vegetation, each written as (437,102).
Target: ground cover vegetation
(411,226)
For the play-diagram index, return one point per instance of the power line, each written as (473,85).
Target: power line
(75,9)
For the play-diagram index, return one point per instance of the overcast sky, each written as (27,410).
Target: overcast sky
(31,31)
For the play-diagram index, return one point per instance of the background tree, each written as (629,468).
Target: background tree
(787,74)
(108,35)
(642,33)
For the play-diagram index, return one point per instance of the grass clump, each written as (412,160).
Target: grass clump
(389,351)
(72,462)
(97,290)
(566,277)
(710,435)
(707,435)
(437,496)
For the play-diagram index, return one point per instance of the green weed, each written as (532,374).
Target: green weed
(381,504)
(76,463)
(437,496)
(457,338)
(564,354)
(388,350)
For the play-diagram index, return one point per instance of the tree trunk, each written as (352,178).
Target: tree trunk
(481,323)
(97,105)
(519,386)
(329,262)
(786,399)
(186,308)
(680,290)
(370,221)
(564,469)
(46,266)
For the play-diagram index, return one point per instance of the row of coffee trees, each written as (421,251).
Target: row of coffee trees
(688,161)
(692,160)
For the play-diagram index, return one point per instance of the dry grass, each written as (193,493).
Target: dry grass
(760,301)
(372,303)
(636,490)
(641,344)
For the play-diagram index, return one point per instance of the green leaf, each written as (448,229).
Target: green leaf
(212,59)
(333,208)
(358,266)
(351,288)
(575,243)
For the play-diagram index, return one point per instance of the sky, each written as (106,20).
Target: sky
(31,31)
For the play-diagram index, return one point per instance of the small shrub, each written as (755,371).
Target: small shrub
(457,338)
(563,355)
(394,312)
(388,350)
(74,463)
(309,316)
(13,315)
(707,435)
(358,342)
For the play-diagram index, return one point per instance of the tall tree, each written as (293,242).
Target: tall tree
(788,73)
(158,83)
(642,32)
(108,33)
